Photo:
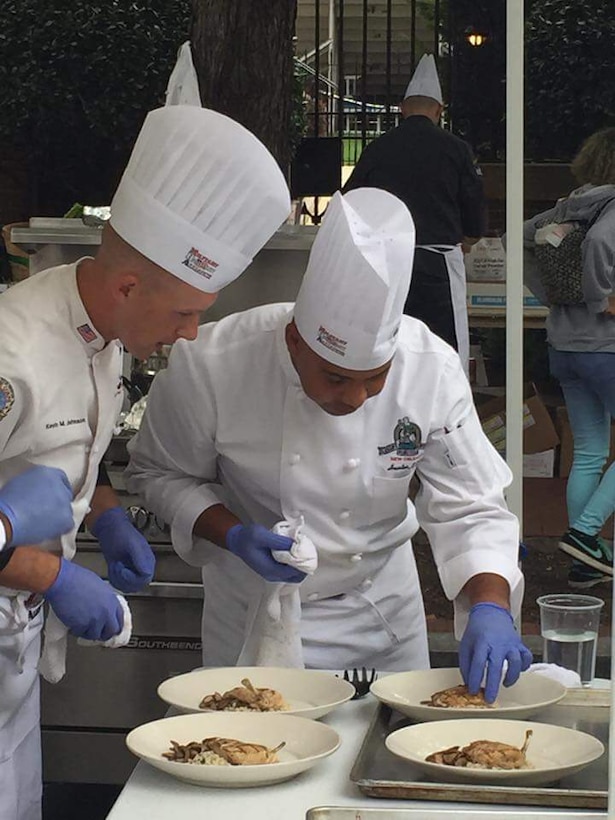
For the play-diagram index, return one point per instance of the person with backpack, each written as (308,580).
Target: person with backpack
(569,264)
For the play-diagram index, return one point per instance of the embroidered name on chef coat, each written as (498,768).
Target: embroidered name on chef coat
(63,423)
(7,397)
(406,447)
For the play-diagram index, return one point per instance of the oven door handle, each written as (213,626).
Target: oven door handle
(166,589)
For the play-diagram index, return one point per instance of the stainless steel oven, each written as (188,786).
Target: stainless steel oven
(106,692)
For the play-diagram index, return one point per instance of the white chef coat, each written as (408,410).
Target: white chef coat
(228,422)
(61,392)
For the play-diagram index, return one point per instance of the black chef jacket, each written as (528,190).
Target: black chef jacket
(433,172)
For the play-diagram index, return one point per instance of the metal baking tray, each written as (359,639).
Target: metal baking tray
(360,813)
(379,773)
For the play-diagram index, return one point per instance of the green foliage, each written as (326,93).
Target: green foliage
(76,80)
(298,114)
(570,52)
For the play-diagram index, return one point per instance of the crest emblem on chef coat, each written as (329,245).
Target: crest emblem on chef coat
(7,397)
(406,439)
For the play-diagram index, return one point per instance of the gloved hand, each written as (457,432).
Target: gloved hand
(490,638)
(85,603)
(37,504)
(129,557)
(253,544)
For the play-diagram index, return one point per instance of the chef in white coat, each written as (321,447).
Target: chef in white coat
(325,410)
(199,197)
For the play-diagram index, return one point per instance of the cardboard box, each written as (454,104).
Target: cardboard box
(539,465)
(566,445)
(544,507)
(486,261)
(490,298)
(539,433)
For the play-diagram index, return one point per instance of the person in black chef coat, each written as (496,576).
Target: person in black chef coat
(434,173)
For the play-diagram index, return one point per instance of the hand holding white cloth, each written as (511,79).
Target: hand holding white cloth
(273,636)
(53,660)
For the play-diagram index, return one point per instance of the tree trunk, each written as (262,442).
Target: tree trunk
(242,52)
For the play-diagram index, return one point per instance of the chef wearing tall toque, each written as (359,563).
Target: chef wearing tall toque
(433,172)
(199,197)
(323,411)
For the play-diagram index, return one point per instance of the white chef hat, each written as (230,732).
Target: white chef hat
(200,195)
(425,81)
(352,296)
(183,85)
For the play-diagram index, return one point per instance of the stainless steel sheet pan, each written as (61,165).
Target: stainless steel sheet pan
(378,773)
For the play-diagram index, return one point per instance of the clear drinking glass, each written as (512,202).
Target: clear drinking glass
(569,628)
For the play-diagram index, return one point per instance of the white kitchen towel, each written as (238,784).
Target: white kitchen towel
(273,636)
(52,665)
(568,677)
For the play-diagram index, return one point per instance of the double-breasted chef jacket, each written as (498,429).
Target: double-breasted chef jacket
(228,422)
(60,395)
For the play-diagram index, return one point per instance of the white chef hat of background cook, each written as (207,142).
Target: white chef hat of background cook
(425,81)
(200,195)
(350,304)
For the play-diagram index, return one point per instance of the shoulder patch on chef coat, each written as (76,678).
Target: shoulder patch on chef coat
(406,439)
(7,397)
(86,333)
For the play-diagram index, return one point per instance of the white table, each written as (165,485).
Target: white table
(150,794)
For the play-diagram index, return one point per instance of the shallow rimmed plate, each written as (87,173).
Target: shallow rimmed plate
(308,692)
(307,742)
(404,691)
(553,752)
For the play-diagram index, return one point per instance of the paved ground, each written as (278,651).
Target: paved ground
(545,570)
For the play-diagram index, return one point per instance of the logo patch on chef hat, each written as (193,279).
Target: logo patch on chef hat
(7,397)
(199,263)
(331,341)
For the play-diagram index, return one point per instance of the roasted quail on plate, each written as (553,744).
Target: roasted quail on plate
(458,697)
(245,698)
(221,751)
(484,754)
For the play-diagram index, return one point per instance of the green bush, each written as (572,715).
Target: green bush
(76,80)
(570,54)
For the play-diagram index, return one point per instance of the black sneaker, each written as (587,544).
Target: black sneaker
(591,550)
(581,576)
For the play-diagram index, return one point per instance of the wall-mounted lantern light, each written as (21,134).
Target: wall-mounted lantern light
(475,38)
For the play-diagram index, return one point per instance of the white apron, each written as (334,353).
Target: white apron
(453,258)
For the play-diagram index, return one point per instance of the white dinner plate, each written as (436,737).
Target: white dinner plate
(404,691)
(307,742)
(308,692)
(553,751)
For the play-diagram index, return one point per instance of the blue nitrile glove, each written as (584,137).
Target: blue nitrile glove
(253,544)
(490,638)
(85,603)
(129,557)
(38,505)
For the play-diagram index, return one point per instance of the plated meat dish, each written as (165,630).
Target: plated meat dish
(458,697)
(485,754)
(245,698)
(222,751)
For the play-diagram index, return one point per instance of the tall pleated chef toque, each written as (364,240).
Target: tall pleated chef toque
(200,195)
(350,304)
(425,81)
